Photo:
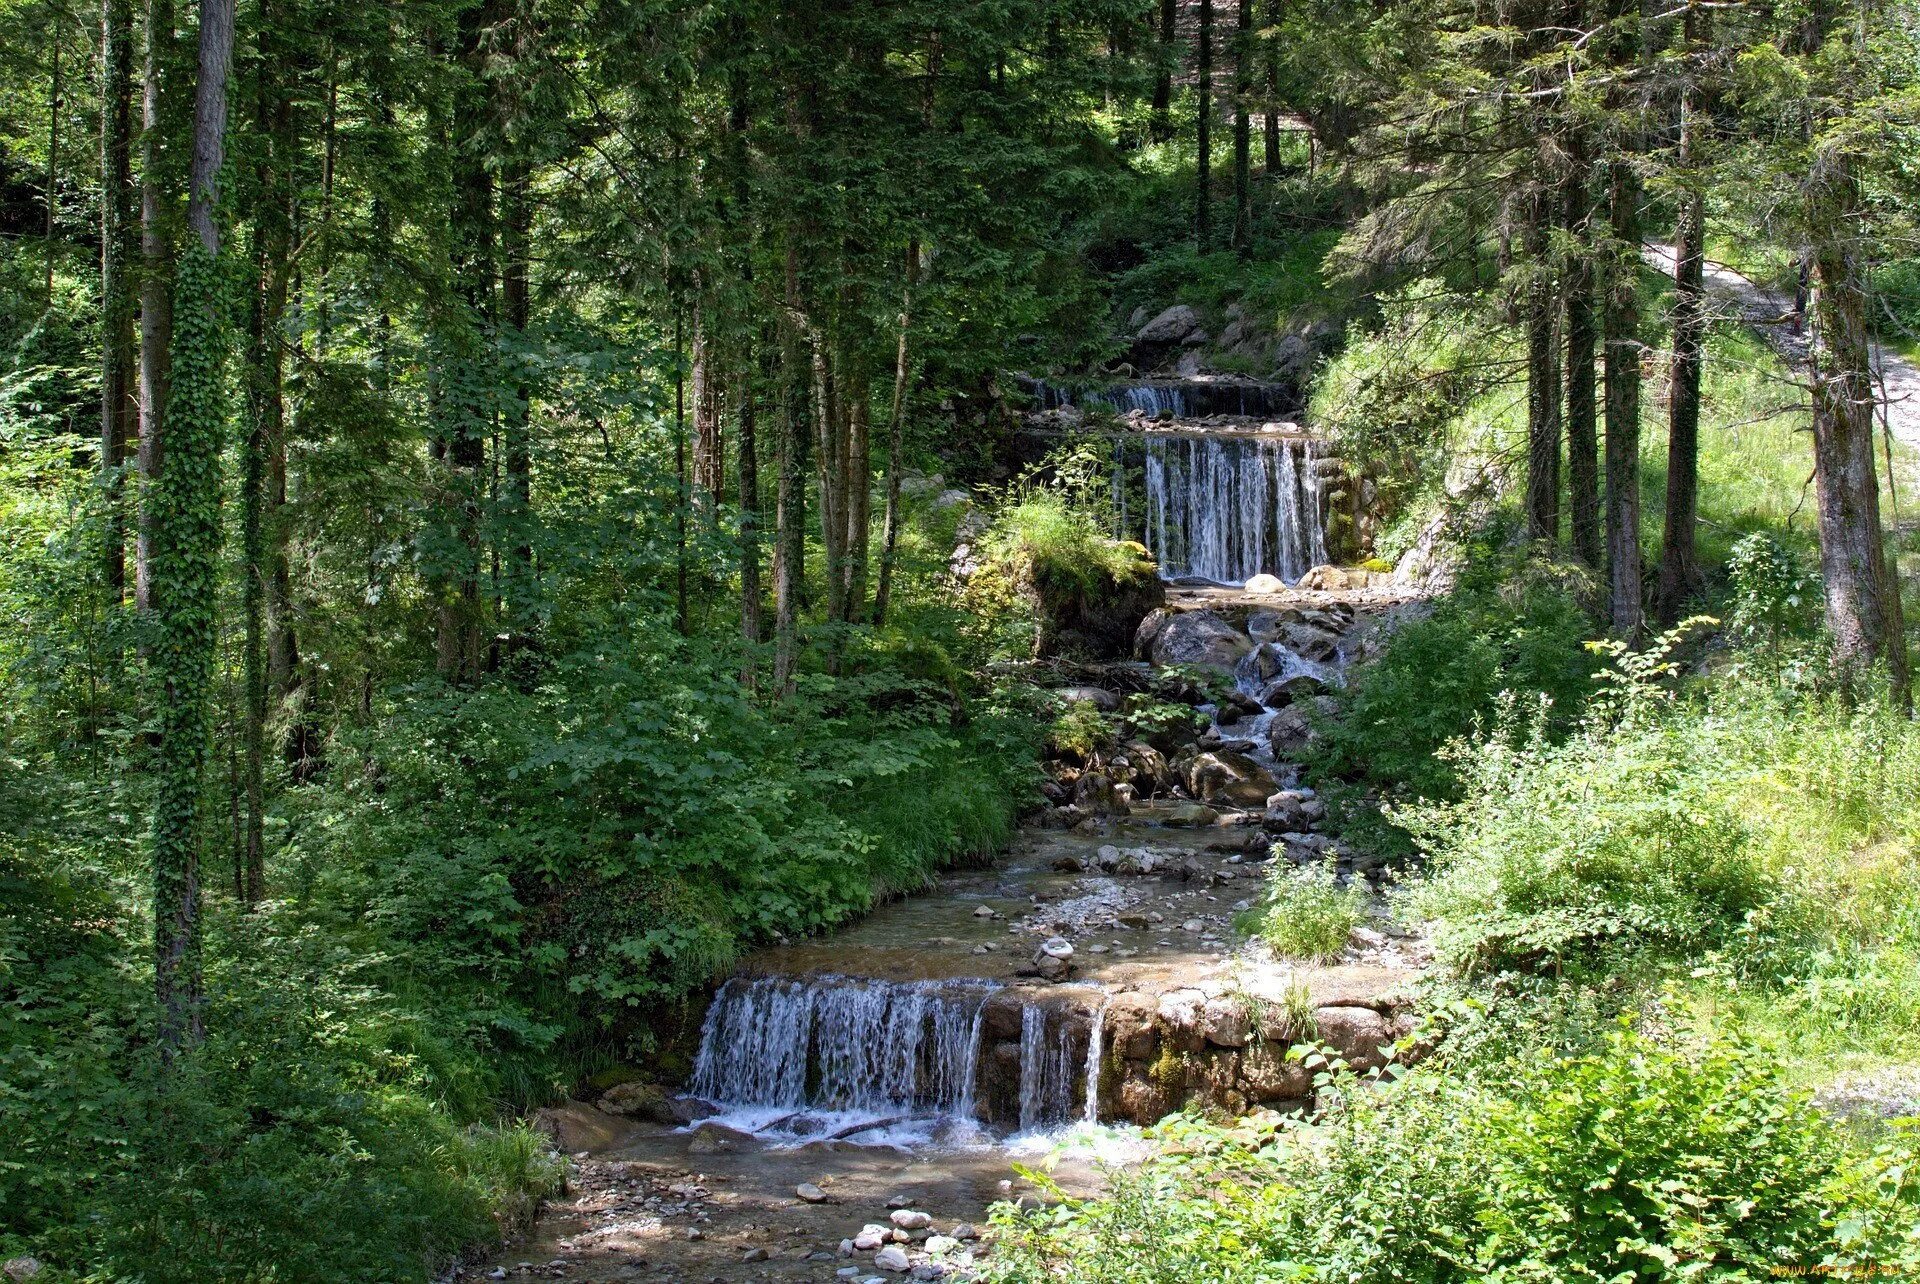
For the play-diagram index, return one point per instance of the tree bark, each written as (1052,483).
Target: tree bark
(1621,340)
(516,438)
(789,517)
(896,421)
(118,409)
(1161,128)
(1862,591)
(1203,132)
(53,155)
(187,544)
(1583,333)
(1679,560)
(1543,377)
(1243,130)
(1271,122)
(858,473)
(156,297)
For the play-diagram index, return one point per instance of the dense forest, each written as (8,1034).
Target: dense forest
(514,514)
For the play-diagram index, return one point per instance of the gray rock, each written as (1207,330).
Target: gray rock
(1100,698)
(1202,638)
(892,1258)
(1171,326)
(811,1193)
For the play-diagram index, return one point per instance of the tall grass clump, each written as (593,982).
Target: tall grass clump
(1308,913)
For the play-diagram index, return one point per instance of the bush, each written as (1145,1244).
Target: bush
(1308,914)
(1638,1161)
(1441,675)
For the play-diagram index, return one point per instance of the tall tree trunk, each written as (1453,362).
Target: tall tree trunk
(1862,590)
(118,409)
(749,525)
(1583,335)
(1271,114)
(1679,561)
(827,445)
(859,488)
(790,492)
(516,440)
(265,439)
(1162,118)
(156,295)
(53,153)
(187,546)
(682,492)
(1243,54)
(1203,132)
(1543,376)
(896,421)
(1620,329)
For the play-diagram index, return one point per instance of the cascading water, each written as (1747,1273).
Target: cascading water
(1186,399)
(1046,1069)
(1096,1048)
(852,1049)
(1226,508)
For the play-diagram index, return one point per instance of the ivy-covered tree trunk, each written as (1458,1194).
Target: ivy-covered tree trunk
(118,407)
(186,549)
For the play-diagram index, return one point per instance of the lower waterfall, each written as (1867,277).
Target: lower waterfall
(805,1058)
(1226,508)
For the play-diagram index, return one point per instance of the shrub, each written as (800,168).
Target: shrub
(1308,914)
(1637,1161)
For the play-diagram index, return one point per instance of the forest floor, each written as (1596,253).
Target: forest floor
(1770,313)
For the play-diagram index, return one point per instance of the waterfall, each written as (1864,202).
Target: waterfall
(1227,508)
(1180,398)
(1046,1069)
(860,1047)
(1096,1048)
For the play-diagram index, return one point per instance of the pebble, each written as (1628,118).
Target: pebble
(847,1272)
(908,1219)
(938,1244)
(965,1230)
(899,1201)
(694,1232)
(892,1258)
(754,1255)
(984,911)
(810,1192)
(1193,925)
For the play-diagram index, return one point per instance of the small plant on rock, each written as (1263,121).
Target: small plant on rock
(1309,913)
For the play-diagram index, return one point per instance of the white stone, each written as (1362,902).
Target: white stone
(911,1219)
(892,1258)
(1265,584)
(810,1192)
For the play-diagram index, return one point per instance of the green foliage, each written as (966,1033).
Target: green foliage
(1079,730)
(1308,913)
(1635,1161)
(1444,673)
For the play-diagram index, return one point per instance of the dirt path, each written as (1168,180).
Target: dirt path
(1769,313)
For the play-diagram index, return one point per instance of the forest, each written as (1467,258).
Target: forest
(1124,641)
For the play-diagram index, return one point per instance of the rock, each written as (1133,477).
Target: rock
(1265,584)
(1269,1075)
(1193,925)
(1290,732)
(1053,961)
(1357,1034)
(1093,794)
(1138,317)
(1225,1023)
(754,1255)
(22,1268)
(871,1237)
(576,1126)
(1193,815)
(941,1244)
(965,1230)
(1202,638)
(1057,946)
(1312,642)
(1229,777)
(983,911)
(1365,938)
(810,1192)
(638,1100)
(892,1258)
(1108,857)
(1270,626)
(718,1139)
(1171,326)
(1099,697)
(1294,687)
(1149,630)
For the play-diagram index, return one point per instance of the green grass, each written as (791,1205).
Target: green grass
(1308,914)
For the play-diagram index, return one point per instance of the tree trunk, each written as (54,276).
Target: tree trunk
(749,526)
(1243,130)
(53,154)
(1203,132)
(156,295)
(1271,122)
(1679,561)
(896,420)
(187,545)
(827,445)
(859,488)
(118,409)
(1543,377)
(265,440)
(1621,339)
(1583,332)
(516,441)
(789,517)
(1162,119)
(1862,590)
(682,492)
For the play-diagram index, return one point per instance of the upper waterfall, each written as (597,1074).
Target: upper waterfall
(1228,508)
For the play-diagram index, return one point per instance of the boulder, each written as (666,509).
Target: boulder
(1357,1034)
(639,1100)
(1190,815)
(1099,697)
(1312,642)
(1200,638)
(1268,1075)
(892,1258)
(908,1219)
(1149,630)
(1287,690)
(1149,767)
(1271,626)
(1265,584)
(1224,776)
(1098,622)
(1170,326)
(575,1126)
(1290,732)
(1226,1023)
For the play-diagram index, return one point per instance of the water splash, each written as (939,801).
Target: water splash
(1046,1068)
(1226,508)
